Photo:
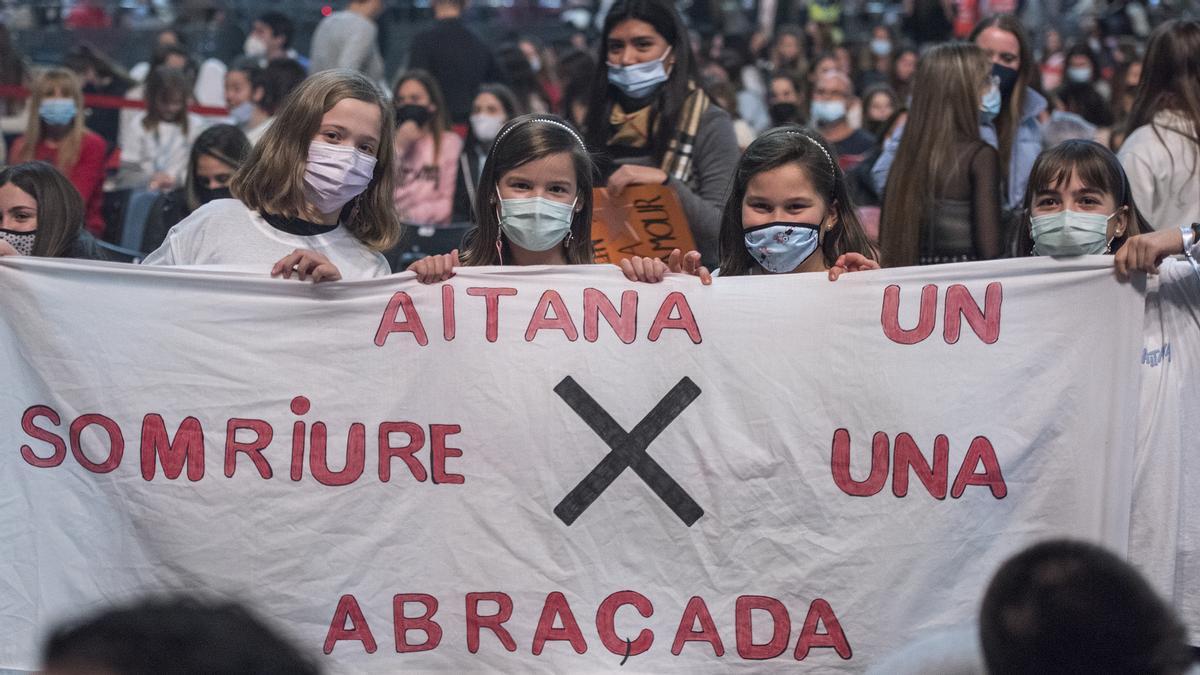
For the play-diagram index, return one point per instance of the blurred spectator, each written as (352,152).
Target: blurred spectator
(1082,68)
(785,102)
(879,103)
(87,14)
(875,59)
(1125,83)
(456,58)
(788,51)
(1067,126)
(238,92)
(55,133)
(494,106)
(41,215)
(427,152)
(173,635)
(100,75)
(1053,61)
(927,21)
(832,99)
(544,66)
(576,69)
(1162,152)
(904,66)
(1016,131)
(156,140)
(1071,607)
(349,39)
(219,151)
(270,38)
(1082,99)
(14,72)
(725,96)
(268,88)
(520,78)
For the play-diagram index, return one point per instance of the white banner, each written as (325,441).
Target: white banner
(551,469)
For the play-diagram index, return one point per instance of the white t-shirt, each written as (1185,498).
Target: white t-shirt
(255,134)
(227,232)
(165,149)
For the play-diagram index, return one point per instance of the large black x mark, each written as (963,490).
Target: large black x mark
(628,450)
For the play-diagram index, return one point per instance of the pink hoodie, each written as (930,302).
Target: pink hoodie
(424,188)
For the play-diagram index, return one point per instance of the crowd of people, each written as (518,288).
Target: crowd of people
(898,145)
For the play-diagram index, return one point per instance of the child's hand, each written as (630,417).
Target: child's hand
(851,262)
(434,268)
(306,264)
(648,270)
(1144,252)
(689,264)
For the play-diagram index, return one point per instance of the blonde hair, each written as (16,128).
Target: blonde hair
(55,82)
(272,179)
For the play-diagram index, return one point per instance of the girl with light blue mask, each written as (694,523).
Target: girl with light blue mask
(789,212)
(1078,203)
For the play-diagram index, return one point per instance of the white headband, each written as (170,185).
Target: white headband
(544,120)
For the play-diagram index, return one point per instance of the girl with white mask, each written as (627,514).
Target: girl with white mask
(493,107)
(534,203)
(788,212)
(315,196)
(1079,202)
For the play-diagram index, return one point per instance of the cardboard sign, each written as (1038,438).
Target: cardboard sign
(646,220)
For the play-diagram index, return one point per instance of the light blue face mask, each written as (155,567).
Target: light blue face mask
(990,105)
(1070,233)
(640,79)
(824,112)
(241,113)
(537,223)
(781,247)
(57,111)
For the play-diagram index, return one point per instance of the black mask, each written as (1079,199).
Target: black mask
(415,113)
(784,113)
(206,195)
(1007,77)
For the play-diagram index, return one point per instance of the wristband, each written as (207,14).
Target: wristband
(1189,236)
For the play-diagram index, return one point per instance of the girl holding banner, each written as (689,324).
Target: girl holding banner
(315,194)
(788,211)
(652,123)
(534,204)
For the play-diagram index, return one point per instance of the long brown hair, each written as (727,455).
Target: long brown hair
(523,140)
(59,206)
(808,150)
(1170,80)
(668,102)
(1097,167)
(1028,77)
(272,179)
(55,82)
(161,83)
(439,123)
(944,115)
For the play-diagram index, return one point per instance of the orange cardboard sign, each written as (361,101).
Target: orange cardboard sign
(646,220)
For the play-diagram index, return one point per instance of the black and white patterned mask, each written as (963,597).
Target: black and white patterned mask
(22,241)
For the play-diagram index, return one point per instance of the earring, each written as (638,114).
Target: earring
(499,248)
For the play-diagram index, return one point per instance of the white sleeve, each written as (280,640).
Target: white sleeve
(164,254)
(382,268)
(1140,171)
(130,141)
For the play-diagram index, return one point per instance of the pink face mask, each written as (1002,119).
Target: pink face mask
(336,174)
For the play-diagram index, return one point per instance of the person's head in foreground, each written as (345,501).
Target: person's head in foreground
(1071,607)
(178,635)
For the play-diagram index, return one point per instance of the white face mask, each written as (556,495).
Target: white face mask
(486,127)
(336,174)
(537,223)
(1070,233)
(254,47)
